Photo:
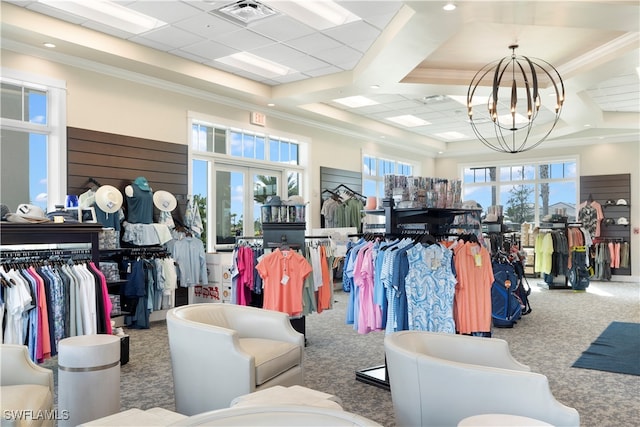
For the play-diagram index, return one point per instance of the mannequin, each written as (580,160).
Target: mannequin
(139,201)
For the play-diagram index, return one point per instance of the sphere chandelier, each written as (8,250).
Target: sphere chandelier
(514,103)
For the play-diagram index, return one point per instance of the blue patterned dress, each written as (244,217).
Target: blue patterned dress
(430,288)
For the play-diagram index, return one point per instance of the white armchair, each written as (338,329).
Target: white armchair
(222,351)
(26,389)
(438,379)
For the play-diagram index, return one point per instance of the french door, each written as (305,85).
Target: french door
(240,193)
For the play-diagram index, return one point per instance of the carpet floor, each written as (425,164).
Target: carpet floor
(562,324)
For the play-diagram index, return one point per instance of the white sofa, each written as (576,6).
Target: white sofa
(26,387)
(222,351)
(438,379)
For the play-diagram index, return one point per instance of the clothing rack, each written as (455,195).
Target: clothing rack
(42,253)
(608,239)
(349,190)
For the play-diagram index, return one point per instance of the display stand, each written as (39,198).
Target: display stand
(554,226)
(437,222)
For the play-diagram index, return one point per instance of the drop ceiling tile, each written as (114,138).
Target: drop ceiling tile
(107,29)
(205,5)
(207,25)
(323,71)
(349,64)
(56,13)
(371,109)
(290,78)
(243,40)
(339,54)
(173,37)
(313,43)
(362,45)
(281,28)
(387,98)
(167,11)
(278,52)
(208,49)
(191,56)
(150,43)
(304,63)
(353,32)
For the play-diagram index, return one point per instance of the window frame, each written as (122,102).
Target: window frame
(398,165)
(537,181)
(225,161)
(55,128)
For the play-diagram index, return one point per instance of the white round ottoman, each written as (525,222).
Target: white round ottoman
(88,378)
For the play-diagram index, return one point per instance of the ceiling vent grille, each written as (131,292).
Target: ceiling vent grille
(245,12)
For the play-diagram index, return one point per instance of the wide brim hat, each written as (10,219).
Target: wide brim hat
(27,213)
(164,201)
(108,198)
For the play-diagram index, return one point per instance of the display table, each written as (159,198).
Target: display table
(294,395)
(500,420)
(88,377)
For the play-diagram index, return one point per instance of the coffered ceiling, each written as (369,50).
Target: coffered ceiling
(409,57)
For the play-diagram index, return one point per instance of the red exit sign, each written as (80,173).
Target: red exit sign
(258,119)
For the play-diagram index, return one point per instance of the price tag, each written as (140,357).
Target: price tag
(285,280)
(478,259)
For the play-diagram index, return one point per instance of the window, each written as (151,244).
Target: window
(528,192)
(374,169)
(234,171)
(33,140)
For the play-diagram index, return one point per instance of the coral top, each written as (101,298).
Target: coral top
(283,273)
(472,308)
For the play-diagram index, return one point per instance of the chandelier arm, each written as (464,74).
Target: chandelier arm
(559,97)
(534,78)
(496,87)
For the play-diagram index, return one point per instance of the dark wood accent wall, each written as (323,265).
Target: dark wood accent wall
(611,187)
(331,178)
(117,160)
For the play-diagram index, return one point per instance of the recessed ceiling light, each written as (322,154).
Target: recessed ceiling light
(254,64)
(449,7)
(408,120)
(355,101)
(108,13)
(271,104)
(320,15)
(49,45)
(451,136)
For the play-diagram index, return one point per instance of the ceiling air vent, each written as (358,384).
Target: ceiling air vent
(245,12)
